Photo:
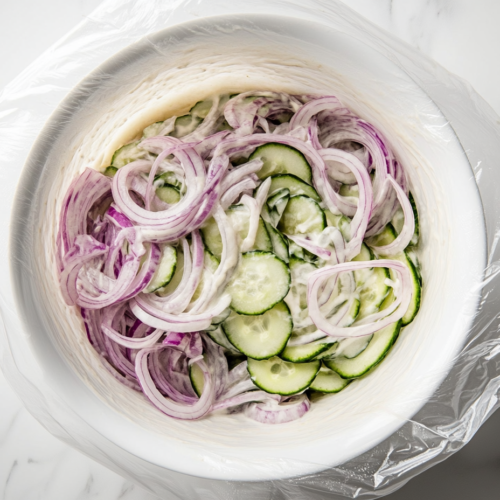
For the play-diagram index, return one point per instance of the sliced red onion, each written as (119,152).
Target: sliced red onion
(271,412)
(188,343)
(83,193)
(185,322)
(165,404)
(246,397)
(390,315)
(240,173)
(312,108)
(365,202)
(245,186)
(132,343)
(406,234)
(308,245)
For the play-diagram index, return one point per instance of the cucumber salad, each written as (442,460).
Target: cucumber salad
(250,254)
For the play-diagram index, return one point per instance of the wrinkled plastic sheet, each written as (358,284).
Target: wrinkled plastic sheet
(443,425)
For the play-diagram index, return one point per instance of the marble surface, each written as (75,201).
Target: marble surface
(462,35)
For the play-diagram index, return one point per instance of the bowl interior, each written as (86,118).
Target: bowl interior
(164,75)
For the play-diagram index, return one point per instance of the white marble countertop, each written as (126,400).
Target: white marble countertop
(462,35)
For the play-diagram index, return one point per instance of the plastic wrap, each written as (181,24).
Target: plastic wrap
(37,126)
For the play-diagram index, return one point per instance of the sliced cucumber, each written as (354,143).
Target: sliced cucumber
(281,377)
(329,353)
(260,281)
(361,275)
(351,190)
(281,159)
(376,351)
(165,270)
(168,194)
(276,205)
(302,215)
(219,337)
(239,217)
(352,347)
(184,125)
(386,236)
(210,265)
(168,178)
(201,108)
(303,353)
(197,379)
(127,154)
(176,278)
(211,237)
(341,222)
(153,130)
(328,381)
(373,291)
(263,336)
(110,171)
(278,242)
(294,185)
(398,221)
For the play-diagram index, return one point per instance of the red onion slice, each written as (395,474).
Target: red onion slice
(273,413)
(165,404)
(378,321)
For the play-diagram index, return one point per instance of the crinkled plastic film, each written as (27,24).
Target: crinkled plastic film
(443,423)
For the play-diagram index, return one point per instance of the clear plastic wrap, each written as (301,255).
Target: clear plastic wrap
(429,425)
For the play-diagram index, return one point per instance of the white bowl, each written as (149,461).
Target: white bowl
(254,52)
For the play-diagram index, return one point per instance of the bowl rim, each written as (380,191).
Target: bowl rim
(34,167)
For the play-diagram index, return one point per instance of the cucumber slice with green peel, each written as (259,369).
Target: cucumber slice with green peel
(239,218)
(302,215)
(376,351)
(127,154)
(303,353)
(184,125)
(277,198)
(295,185)
(165,270)
(296,251)
(329,353)
(176,278)
(219,337)
(197,379)
(278,242)
(399,219)
(153,130)
(351,190)
(277,376)
(201,108)
(373,291)
(262,336)
(386,236)
(328,381)
(361,275)
(211,237)
(281,159)
(365,254)
(260,281)
(210,265)
(168,178)
(341,222)
(110,171)
(352,347)
(168,194)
